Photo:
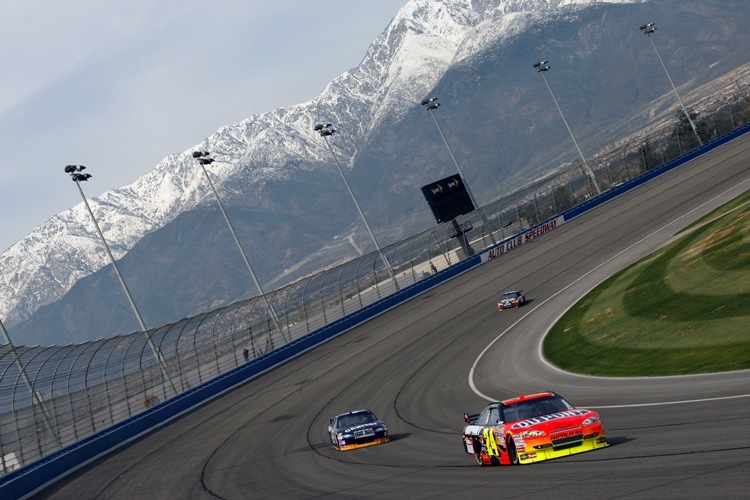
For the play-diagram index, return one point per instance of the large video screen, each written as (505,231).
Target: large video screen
(448,198)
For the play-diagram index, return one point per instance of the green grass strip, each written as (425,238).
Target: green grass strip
(685,309)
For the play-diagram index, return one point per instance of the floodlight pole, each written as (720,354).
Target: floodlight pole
(542,67)
(74,170)
(325,131)
(432,104)
(34,394)
(647,29)
(204,158)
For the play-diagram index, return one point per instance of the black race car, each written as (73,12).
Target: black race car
(357,429)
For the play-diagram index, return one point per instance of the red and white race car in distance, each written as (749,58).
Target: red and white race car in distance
(514,298)
(530,429)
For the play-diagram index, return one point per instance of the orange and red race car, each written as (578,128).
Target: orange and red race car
(530,429)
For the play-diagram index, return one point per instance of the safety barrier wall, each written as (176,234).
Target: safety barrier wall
(114,390)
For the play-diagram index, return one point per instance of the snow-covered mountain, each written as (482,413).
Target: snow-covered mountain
(276,174)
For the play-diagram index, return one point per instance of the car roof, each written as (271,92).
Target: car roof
(355,412)
(518,399)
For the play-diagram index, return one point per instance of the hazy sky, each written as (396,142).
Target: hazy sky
(118,85)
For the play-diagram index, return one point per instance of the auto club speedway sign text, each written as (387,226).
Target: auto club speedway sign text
(535,232)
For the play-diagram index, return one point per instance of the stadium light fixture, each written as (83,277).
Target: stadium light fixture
(647,30)
(326,130)
(542,67)
(431,105)
(204,158)
(75,173)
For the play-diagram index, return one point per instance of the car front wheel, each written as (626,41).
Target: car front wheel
(512,452)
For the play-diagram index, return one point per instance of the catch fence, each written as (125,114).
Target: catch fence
(51,397)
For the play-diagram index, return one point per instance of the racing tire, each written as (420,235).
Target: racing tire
(512,452)
(482,457)
(478,453)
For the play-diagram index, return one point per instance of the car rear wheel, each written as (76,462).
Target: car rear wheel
(512,452)
(478,453)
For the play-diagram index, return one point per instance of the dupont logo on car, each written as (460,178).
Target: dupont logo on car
(547,418)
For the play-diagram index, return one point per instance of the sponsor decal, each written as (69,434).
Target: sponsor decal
(539,230)
(567,434)
(363,433)
(567,437)
(473,430)
(508,245)
(361,426)
(548,418)
(450,184)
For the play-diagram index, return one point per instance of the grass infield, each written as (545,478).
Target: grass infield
(684,309)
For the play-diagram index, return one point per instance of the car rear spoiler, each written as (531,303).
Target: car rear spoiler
(470,419)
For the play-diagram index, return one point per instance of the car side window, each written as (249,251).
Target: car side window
(489,416)
(484,417)
(494,416)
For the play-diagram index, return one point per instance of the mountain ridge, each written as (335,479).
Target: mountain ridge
(271,165)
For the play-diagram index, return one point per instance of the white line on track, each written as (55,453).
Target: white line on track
(539,349)
(664,403)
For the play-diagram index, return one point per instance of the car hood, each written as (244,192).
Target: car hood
(552,422)
(370,425)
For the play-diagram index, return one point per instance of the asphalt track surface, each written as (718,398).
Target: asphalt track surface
(421,365)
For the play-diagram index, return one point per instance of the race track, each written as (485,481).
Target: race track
(421,365)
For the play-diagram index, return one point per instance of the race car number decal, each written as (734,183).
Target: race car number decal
(490,442)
